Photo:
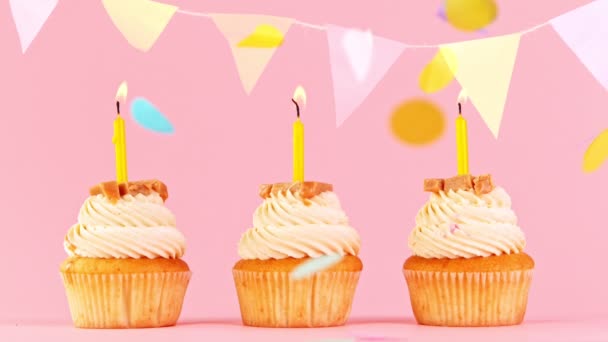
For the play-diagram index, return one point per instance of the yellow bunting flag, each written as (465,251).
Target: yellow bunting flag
(264,36)
(140,21)
(597,153)
(470,15)
(484,70)
(439,72)
(237,28)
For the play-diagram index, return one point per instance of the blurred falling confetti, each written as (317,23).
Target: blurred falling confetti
(417,122)
(439,72)
(470,15)
(315,265)
(149,117)
(264,36)
(596,153)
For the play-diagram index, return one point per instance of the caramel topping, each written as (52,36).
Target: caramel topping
(483,184)
(480,185)
(433,184)
(114,191)
(464,182)
(306,190)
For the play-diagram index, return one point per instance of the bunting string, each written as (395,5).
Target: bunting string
(325,27)
(358,59)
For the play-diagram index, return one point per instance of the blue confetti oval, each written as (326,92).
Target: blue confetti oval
(149,117)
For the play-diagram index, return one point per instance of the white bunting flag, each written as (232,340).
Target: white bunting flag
(585,31)
(251,54)
(29,17)
(354,77)
(484,69)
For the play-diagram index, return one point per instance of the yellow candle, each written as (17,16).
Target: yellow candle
(298,137)
(119,139)
(462,146)
(120,148)
(298,151)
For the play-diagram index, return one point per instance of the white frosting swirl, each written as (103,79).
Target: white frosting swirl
(286,225)
(462,224)
(134,227)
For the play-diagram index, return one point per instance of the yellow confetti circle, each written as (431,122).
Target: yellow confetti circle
(439,73)
(470,15)
(417,122)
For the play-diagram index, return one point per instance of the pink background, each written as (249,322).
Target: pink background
(55,142)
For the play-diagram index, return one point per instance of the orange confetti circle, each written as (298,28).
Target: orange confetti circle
(417,122)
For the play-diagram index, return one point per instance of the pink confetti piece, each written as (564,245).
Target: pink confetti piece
(441,13)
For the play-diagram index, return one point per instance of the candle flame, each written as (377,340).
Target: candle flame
(299,95)
(121,93)
(463,96)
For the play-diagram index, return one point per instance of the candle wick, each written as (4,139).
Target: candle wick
(118,107)
(459,109)
(297,107)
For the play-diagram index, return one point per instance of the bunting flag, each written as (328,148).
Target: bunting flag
(349,89)
(250,61)
(484,69)
(140,21)
(29,17)
(359,46)
(585,31)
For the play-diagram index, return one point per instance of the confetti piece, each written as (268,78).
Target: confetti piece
(417,122)
(315,265)
(439,73)
(596,153)
(441,12)
(264,36)
(147,116)
(470,15)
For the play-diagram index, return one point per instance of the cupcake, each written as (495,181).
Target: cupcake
(296,222)
(468,267)
(123,268)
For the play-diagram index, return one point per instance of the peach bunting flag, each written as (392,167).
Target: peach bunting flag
(253,40)
(140,21)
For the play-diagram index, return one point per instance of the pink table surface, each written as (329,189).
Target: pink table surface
(588,330)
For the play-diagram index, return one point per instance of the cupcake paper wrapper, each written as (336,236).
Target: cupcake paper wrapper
(273,299)
(137,300)
(469,298)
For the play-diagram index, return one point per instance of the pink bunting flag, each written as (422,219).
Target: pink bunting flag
(347,70)
(585,31)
